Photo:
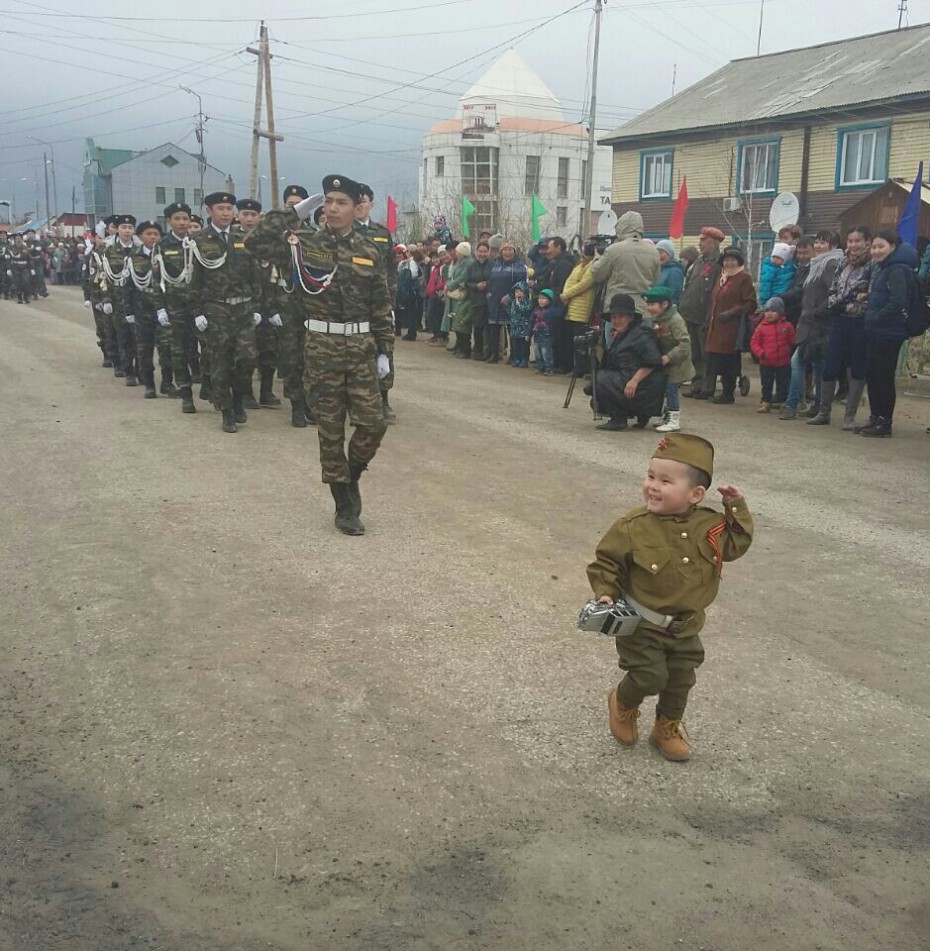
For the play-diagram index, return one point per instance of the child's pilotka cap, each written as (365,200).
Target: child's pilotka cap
(691,450)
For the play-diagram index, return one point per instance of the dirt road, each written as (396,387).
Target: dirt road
(225,726)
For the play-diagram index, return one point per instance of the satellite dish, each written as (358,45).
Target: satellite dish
(786,209)
(607,222)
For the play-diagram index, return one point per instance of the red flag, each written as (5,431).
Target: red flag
(391,222)
(676,224)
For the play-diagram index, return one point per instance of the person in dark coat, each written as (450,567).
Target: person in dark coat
(732,300)
(631,381)
(506,271)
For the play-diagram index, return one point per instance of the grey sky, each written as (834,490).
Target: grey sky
(355,88)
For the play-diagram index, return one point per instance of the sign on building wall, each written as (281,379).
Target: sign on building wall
(477,119)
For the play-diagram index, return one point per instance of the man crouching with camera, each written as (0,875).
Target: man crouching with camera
(630,381)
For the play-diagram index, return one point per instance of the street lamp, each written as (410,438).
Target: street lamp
(48,211)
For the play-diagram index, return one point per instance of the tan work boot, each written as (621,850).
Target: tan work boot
(622,720)
(764,407)
(671,740)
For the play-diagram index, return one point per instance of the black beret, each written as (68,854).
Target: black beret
(197,218)
(173,209)
(124,220)
(145,225)
(318,214)
(297,190)
(365,191)
(109,220)
(339,183)
(248,204)
(219,198)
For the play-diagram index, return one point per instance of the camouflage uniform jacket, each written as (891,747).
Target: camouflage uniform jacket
(143,300)
(170,259)
(358,290)
(237,278)
(382,239)
(117,293)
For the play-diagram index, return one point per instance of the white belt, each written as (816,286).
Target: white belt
(653,617)
(348,330)
(238,300)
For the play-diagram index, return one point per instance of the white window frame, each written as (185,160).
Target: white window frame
(870,135)
(769,162)
(650,161)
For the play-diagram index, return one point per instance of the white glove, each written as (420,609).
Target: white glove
(9,273)
(163,318)
(88,304)
(200,323)
(130,318)
(108,309)
(275,320)
(308,206)
(32,273)
(384,366)
(257,318)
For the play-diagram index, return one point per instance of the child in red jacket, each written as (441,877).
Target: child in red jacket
(772,344)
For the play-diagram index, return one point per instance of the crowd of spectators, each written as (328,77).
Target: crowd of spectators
(828,318)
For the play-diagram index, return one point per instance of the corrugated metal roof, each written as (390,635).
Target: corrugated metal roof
(824,78)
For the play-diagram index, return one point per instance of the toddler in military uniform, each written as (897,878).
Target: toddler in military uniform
(665,560)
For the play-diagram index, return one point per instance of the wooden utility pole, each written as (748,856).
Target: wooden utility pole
(263,79)
(592,119)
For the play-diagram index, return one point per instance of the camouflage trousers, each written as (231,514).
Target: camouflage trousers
(341,379)
(150,335)
(101,328)
(183,344)
(266,342)
(291,342)
(122,342)
(21,284)
(230,338)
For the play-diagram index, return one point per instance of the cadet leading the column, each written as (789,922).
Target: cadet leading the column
(341,288)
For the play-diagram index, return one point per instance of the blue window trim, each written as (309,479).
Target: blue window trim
(841,132)
(642,164)
(764,140)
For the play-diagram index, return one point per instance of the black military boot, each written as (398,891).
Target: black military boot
(880,428)
(308,415)
(248,398)
(389,415)
(346,520)
(187,400)
(355,473)
(167,387)
(107,362)
(206,391)
(239,409)
(131,377)
(298,414)
(266,395)
(148,381)
(229,422)
(118,371)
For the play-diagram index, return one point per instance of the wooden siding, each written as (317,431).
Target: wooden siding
(710,165)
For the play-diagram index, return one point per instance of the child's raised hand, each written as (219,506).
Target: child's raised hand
(730,493)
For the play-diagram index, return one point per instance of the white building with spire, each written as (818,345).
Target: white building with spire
(509,141)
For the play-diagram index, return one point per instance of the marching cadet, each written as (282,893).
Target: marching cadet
(665,560)
(385,243)
(115,296)
(20,264)
(292,333)
(36,250)
(226,292)
(266,339)
(341,289)
(92,284)
(173,294)
(151,334)
(6,273)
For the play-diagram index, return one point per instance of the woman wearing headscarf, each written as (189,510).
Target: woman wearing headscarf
(732,299)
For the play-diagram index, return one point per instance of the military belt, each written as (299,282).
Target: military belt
(347,329)
(653,617)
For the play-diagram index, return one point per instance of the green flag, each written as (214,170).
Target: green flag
(539,209)
(467,209)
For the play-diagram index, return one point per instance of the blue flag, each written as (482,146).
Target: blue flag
(907,226)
